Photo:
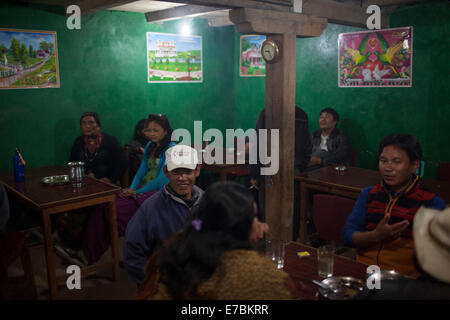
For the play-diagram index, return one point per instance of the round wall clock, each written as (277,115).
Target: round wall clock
(270,51)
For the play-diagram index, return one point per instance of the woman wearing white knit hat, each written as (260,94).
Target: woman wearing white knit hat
(432,240)
(431,231)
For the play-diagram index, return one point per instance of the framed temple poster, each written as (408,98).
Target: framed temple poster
(251,62)
(173,58)
(376,58)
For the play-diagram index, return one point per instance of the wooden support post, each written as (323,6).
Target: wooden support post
(280,114)
(283,28)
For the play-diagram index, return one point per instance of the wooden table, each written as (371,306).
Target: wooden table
(49,200)
(223,168)
(348,184)
(303,270)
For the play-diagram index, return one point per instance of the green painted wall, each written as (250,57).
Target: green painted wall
(369,114)
(103,68)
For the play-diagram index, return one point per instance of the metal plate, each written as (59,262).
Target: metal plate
(392,275)
(348,288)
(56,180)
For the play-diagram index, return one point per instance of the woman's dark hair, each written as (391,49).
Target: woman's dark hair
(224,219)
(138,129)
(405,142)
(91,114)
(164,123)
(332,112)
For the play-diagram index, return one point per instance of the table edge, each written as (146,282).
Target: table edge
(46,205)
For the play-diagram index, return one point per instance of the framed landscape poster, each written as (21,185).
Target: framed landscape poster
(376,58)
(251,63)
(28,59)
(174,58)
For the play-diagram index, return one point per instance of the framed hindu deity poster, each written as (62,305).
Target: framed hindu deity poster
(251,62)
(174,58)
(376,58)
(28,59)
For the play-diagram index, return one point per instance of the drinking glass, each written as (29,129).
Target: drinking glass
(325,261)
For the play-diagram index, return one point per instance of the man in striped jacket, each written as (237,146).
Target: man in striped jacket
(380,224)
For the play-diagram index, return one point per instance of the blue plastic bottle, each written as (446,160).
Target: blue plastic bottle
(19,168)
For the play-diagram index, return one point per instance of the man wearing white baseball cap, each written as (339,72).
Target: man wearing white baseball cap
(164,213)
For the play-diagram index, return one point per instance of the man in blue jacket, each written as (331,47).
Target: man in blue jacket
(164,213)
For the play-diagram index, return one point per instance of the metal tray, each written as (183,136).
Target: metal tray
(56,180)
(348,288)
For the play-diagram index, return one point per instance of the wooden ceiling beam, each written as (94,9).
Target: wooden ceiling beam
(90,6)
(86,6)
(340,13)
(335,12)
(178,12)
(61,3)
(249,20)
(384,3)
(232,4)
(222,21)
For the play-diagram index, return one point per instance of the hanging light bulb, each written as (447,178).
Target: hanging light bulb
(185,28)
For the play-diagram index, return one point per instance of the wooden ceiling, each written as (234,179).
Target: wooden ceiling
(345,12)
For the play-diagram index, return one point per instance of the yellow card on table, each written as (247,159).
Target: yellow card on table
(303,254)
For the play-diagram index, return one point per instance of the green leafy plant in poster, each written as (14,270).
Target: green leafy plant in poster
(28,59)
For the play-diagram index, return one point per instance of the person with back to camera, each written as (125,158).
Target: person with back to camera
(149,179)
(380,225)
(213,257)
(302,154)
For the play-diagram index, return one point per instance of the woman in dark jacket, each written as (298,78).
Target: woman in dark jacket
(103,159)
(102,155)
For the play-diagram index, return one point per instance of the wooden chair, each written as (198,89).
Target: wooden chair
(125,180)
(444,171)
(243,173)
(353,157)
(330,213)
(12,247)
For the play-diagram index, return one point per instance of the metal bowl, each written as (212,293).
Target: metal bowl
(56,180)
(342,288)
